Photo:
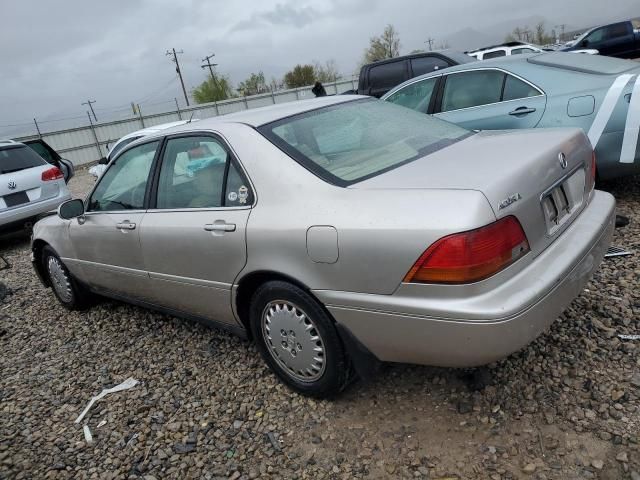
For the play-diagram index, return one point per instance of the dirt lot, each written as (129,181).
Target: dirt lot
(566,407)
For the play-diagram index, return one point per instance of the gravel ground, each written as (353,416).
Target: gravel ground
(566,407)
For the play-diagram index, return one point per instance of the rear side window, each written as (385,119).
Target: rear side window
(387,75)
(471,89)
(520,51)
(424,65)
(496,54)
(616,31)
(515,88)
(14,159)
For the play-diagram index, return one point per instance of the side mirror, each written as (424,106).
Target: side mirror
(103,161)
(71,209)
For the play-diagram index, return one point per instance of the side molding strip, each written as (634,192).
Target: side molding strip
(632,127)
(606,108)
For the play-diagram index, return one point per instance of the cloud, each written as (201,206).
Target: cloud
(280,15)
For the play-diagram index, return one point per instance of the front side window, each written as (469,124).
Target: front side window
(197,172)
(496,54)
(472,89)
(352,141)
(514,88)
(596,36)
(123,185)
(415,96)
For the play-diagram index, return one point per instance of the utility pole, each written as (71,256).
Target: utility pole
(430,42)
(172,53)
(207,63)
(89,102)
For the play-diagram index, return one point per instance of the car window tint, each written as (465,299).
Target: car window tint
(14,159)
(496,54)
(41,150)
(415,96)
(470,89)
(192,175)
(519,51)
(387,75)
(123,185)
(351,141)
(238,191)
(616,31)
(515,88)
(424,65)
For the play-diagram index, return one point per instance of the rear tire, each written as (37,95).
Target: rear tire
(298,340)
(67,290)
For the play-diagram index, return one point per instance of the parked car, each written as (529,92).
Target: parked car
(99,169)
(52,157)
(29,186)
(538,90)
(338,232)
(503,50)
(378,78)
(615,40)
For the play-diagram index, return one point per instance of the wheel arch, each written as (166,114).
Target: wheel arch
(36,248)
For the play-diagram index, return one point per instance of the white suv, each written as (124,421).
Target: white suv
(29,186)
(510,48)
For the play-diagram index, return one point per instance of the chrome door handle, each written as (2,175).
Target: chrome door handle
(126,226)
(220,227)
(522,111)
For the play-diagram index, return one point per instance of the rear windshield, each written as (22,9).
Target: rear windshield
(596,64)
(350,142)
(14,159)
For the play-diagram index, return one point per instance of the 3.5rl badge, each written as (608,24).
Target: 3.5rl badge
(509,201)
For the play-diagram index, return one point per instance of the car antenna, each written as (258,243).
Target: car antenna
(191,117)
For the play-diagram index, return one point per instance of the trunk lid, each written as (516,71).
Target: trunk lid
(520,173)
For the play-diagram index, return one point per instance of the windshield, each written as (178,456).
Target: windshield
(353,141)
(120,145)
(14,159)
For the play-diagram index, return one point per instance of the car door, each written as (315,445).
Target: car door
(106,238)
(193,238)
(619,39)
(490,99)
(597,39)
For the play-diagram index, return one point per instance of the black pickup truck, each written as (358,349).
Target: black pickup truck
(378,78)
(614,40)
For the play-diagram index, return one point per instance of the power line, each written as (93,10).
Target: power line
(174,54)
(90,102)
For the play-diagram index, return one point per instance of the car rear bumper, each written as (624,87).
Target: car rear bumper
(17,216)
(489,326)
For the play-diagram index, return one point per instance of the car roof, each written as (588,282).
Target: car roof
(257,117)
(10,143)
(454,55)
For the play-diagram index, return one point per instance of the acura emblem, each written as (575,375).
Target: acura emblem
(12,185)
(563,160)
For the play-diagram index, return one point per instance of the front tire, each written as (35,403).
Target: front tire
(66,289)
(298,340)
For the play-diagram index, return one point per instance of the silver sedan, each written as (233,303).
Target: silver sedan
(340,232)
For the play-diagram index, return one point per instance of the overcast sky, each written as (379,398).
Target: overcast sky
(56,55)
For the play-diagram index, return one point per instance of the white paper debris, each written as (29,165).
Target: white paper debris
(97,170)
(628,337)
(127,384)
(102,423)
(87,434)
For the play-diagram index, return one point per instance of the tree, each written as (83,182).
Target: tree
(253,85)
(213,89)
(385,46)
(327,72)
(444,45)
(300,76)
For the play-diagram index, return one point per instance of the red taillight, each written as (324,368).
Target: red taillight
(53,173)
(471,256)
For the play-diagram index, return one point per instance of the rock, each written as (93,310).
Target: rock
(617,395)
(635,475)
(464,406)
(529,468)
(237,424)
(622,457)
(184,448)
(635,380)
(597,464)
